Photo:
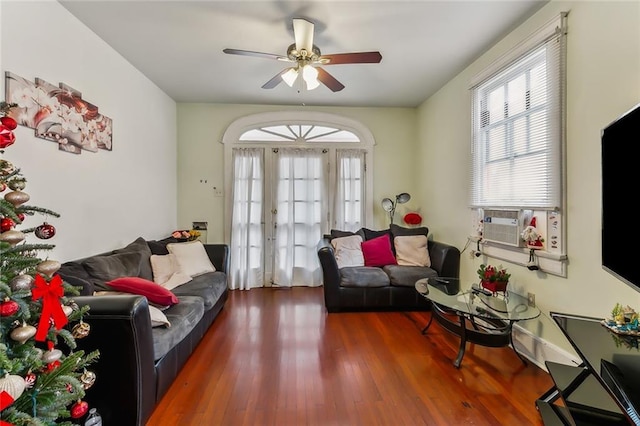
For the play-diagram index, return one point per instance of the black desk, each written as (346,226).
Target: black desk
(604,388)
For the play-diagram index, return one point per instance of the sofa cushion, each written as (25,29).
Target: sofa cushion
(160,246)
(183,318)
(412,250)
(348,251)
(397,230)
(192,257)
(209,287)
(105,268)
(406,276)
(377,251)
(363,276)
(153,292)
(369,234)
(73,272)
(140,246)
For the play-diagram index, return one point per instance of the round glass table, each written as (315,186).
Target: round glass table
(474,314)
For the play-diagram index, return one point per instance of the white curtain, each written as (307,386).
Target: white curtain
(349,192)
(301,212)
(247,233)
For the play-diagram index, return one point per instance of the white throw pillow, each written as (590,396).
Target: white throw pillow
(412,250)
(192,257)
(158,318)
(348,251)
(167,272)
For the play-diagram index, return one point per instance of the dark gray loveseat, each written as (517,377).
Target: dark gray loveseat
(139,362)
(362,288)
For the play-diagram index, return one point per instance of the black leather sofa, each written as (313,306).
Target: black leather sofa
(139,362)
(399,294)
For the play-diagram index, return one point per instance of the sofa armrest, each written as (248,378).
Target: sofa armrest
(330,272)
(125,387)
(445,259)
(219,256)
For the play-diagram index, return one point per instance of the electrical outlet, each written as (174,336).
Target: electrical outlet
(531,299)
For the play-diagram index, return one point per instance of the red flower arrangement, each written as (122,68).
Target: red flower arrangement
(492,278)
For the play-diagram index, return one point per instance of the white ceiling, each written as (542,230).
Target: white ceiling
(178,44)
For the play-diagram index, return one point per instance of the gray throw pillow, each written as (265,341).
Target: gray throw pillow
(140,245)
(106,268)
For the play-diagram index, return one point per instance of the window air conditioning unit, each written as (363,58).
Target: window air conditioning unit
(503,226)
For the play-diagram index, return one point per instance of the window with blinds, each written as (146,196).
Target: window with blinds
(518,145)
(517,130)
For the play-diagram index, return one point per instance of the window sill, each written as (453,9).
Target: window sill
(551,263)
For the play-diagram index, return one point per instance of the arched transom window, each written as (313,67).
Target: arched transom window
(299,133)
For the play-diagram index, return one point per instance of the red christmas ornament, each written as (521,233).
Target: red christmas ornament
(45,231)
(79,409)
(21,216)
(30,380)
(8,308)
(6,224)
(52,366)
(9,123)
(7,137)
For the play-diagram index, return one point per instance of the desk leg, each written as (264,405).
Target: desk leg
(463,341)
(510,331)
(426,327)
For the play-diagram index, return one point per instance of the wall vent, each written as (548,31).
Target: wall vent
(503,226)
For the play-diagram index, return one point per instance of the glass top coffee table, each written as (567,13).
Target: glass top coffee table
(474,314)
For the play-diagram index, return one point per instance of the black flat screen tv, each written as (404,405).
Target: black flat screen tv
(620,141)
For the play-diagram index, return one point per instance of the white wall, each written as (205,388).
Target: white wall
(200,157)
(603,82)
(106,199)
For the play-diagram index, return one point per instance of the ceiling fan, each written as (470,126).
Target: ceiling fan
(307,59)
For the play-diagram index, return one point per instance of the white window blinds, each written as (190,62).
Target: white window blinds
(517,113)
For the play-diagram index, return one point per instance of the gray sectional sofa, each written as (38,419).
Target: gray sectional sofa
(389,287)
(138,362)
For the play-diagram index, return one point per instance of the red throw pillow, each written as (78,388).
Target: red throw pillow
(155,293)
(377,251)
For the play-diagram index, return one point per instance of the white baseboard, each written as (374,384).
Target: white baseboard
(538,350)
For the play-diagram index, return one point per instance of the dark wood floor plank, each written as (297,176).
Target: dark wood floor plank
(276,357)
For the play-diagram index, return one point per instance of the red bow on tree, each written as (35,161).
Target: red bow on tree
(5,401)
(50,293)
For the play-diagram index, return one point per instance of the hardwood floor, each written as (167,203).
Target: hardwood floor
(276,357)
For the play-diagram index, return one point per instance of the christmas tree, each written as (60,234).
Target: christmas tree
(42,380)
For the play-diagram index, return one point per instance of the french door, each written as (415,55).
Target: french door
(280,211)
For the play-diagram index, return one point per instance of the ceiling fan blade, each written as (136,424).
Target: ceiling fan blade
(351,58)
(257,54)
(277,79)
(303,33)
(329,80)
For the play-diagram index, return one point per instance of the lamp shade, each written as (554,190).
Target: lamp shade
(403,198)
(310,76)
(387,204)
(290,76)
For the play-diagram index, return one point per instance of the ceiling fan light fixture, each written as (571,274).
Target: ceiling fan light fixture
(290,76)
(310,76)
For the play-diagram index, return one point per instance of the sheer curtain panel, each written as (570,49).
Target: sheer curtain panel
(300,214)
(247,229)
(349,192)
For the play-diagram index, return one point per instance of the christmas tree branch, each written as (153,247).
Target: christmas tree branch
(30,210)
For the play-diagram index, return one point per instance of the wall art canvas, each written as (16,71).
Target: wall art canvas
(58,114)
